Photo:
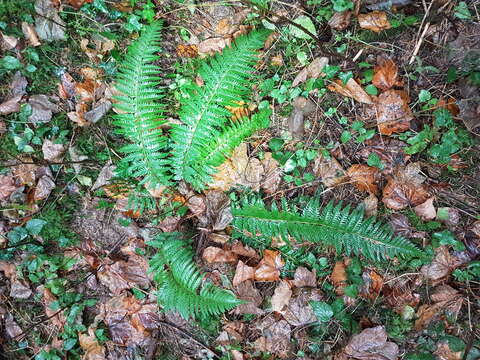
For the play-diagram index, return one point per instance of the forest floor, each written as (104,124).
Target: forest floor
(375,103)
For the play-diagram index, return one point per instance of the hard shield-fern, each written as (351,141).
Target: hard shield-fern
(180,282)
(345,229)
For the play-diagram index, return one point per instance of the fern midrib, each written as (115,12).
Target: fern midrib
(319,223)
(137,119)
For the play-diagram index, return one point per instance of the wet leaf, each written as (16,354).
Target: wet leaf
(92,348)
(42,109)
(376,21)
(44,187)
(48,24)
(243,273)
(269,267)
(441,266)
(11,105)
(351,89)
(393,113)
(364,177)
(281,296)
(19,290)
(214,254)
(7,186)
(385,74)
(246,291)
(340,20)
(299,311)
(312,71)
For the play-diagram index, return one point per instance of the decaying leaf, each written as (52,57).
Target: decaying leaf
(340,20)
(385,74)
(11,327)
(393,113)
(281,296)
(299,311)
(11,105)
(57,317)
(7,186)
(339,277)
(329,171)
(372,344)
(211,46)
(276,337)
(390,151)
(426,210)
(48,24)
(269,267)
(443,352)
(312,71)
(92,348)
(351,89)
(44,187)
(441,266)
(371,205)
(405,188)
(52,152)
(30,33)
(249,293)
(372,284)
(304,277)
(8,42)
(376,21)
(19,290)
(364,177)
(214,254)
(42,109)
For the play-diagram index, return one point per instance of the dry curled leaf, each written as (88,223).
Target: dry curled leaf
(376,21)
(7,186)
(214,254)
(340,20)
(304,277)
(249,293)
(405,188)
(393,112)
(92,348)
(52,152)
(211,46)
(329,171)
(372,284)
(30,33)
(243,273)
(339,277)
(188,51)
(351,89)
(364,177)
(281,296)
(269,267)
(385,74)
(312,71)
(445,300)
(441,266)
(426,210)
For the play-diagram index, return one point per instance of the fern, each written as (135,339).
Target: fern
(141,113)
(206,135)
(345,229)
(180,282)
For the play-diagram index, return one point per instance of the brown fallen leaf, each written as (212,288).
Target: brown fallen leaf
(351,89)
(30,33)
(8,42)
(246,291)
(11,105)
(449,216)
(90,345)
(269,267)
(281,296)
(329,171)
(42,109)
(7,186)
(19,290)
(441,266)
(364,177)
(405,188)
(298,311)
(66,87)
(372,344)
(188,51)
(52,152)
(57,317)
(340,20)
(211,46)
(426,210)
(385,74)
(400,292)
(371,205)
(443,352)
(311,71)
(376,21)
(276,337)
(44,187)
(372,285)
(242,250)
(11,327)
(304,277)
(243,273)
(77,4)
(390,151)
(446,300)
(214,254)
(339,277)
(393,113)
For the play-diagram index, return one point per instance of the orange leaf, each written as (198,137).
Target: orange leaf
(339,277)
(393,113)
(375,21)
(364,177)
(188,51)
(214,254)
(351,89)
(385,74)
(243,273)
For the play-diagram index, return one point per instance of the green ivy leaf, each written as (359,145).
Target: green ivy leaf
(35,226)
(424,95)
(322,310)
(10,63)
(462,12)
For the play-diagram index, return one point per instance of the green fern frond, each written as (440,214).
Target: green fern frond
(345,229)
(206,127)
(180,282)
(141,112)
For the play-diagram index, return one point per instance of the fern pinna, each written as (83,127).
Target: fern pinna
(207,136)
(140,112)
(180,282)
(345,229)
